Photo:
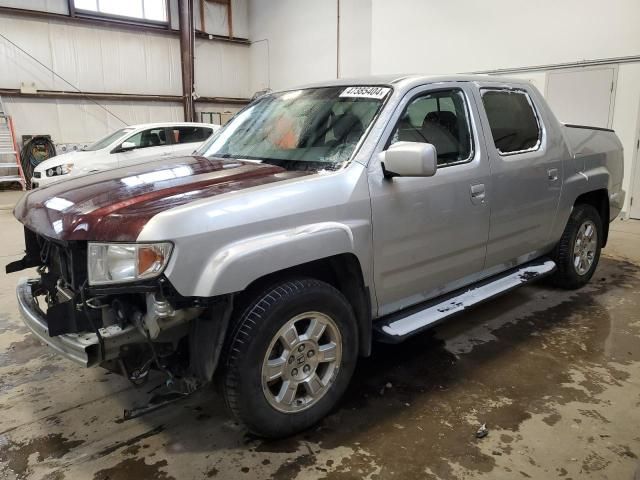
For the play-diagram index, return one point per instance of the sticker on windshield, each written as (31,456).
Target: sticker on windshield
(365,92)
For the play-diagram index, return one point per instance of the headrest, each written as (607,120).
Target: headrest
(347,124)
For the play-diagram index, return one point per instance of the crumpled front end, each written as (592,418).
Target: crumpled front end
(130,328)
(83,348)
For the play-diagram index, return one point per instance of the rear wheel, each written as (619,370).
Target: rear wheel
(290,357)
(578,252)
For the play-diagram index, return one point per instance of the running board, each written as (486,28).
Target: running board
(398,327)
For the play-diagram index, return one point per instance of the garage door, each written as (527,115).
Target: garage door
(582,96)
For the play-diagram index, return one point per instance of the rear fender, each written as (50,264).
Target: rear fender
(576,185)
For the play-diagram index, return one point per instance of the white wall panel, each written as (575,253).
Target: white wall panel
(355,38)
(95,59)
(295,41)
(32,36)
(77,121)
(444,37)
(51,6)
(626,122)
(302,40)
(221,69)
(173,14)
(583,96)
(217,15)
(240,18)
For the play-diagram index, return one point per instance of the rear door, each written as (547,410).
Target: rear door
(526,170)
(430,234)
(187,138)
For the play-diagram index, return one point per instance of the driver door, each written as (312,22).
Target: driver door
(430,233)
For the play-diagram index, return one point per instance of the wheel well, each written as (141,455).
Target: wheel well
(599,199)
(342,272)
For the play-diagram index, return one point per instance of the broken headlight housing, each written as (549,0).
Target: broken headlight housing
(126,262)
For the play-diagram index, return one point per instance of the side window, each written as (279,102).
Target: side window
(190,134)
(439,118)
(513,122)
(154,137)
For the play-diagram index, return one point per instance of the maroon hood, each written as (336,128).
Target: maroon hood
(115,205)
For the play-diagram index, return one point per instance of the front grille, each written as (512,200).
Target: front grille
(36,174)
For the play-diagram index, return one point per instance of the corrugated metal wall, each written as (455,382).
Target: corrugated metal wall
(79,122)
(113,60)
(95,59)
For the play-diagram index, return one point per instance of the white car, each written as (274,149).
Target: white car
(127,146)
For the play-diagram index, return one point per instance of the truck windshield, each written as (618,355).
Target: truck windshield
(308,129)
(106,141)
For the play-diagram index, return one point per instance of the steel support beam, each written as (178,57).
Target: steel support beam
(124,97)
(185,18)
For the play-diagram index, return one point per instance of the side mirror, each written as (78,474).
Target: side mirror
(410,159)
(126,146)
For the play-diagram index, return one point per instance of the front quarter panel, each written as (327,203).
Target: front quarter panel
(234,266)
(223,244)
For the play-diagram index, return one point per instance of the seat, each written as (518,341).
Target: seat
(149,139)
(408,133)
(446,119)
(436,129)
(347,128)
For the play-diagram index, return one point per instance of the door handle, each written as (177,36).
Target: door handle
(552,174)
(477,193)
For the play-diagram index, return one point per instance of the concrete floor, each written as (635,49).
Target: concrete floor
(554,375)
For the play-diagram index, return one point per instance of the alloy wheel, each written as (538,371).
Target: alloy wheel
(302,362)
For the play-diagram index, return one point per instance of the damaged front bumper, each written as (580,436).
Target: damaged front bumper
(84,348)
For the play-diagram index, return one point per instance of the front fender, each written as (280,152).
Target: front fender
(233,267)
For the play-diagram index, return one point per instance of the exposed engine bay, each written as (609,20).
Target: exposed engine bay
(138,326)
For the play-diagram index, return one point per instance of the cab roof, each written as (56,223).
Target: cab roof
(411,80)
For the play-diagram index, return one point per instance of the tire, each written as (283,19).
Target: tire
(572,273)
(263,344)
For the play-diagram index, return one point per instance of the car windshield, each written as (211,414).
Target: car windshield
(309,129)
(106,141)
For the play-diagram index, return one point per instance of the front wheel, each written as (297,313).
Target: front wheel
(578,251)
(290,357)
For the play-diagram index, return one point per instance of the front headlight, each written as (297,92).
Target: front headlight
(63,169)
(126,262)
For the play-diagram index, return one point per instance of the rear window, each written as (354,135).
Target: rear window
(513,122)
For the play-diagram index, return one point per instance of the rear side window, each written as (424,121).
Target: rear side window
(190,134)
(513,122)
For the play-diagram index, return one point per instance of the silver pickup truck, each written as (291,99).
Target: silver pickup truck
(316,221)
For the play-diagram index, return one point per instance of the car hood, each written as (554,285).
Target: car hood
(115,205)
(69,157)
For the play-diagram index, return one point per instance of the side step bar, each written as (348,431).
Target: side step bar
(400,326)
